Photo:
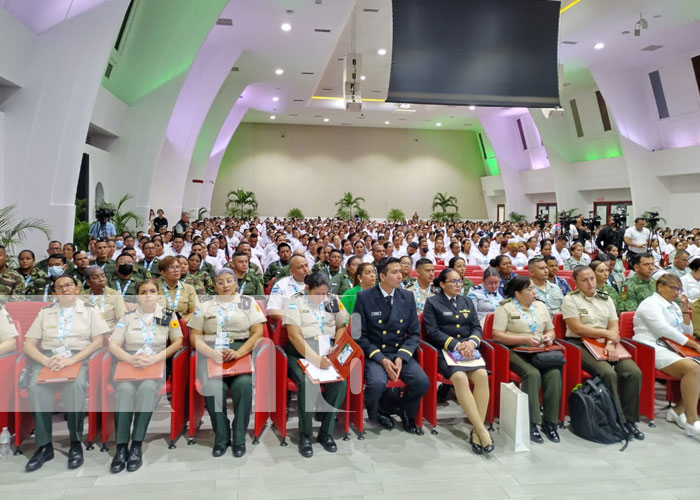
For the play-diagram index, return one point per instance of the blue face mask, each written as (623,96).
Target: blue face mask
(119,243)
(55,271)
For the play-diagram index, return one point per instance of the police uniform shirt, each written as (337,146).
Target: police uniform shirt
(282,290)
(238,315)
(110,304)
(596,311)
(7,326)
(551,295)
(130,334)
(309,317)
(86,323)
(421,295)
(188,297)
(508,318)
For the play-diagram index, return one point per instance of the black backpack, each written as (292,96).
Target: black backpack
(593,414)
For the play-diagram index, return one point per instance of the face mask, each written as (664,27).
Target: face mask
(125,269)
(55,271)
(119,243)
(424,249)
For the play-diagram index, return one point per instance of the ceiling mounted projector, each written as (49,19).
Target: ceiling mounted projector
(352,94)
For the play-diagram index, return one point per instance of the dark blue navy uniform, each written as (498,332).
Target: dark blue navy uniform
(390,332)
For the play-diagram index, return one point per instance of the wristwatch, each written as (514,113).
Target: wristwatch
(612,342)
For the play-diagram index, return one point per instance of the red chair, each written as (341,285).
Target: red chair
(474,269)
(575,374)
(7,363)
(430,366)
(175,388)
(269,286)
(285,385)
(521,272)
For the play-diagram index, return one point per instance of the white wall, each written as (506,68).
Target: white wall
(312,166)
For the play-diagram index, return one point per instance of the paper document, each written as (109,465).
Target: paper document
(328,375)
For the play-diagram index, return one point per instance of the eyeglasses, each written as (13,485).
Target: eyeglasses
(67,286)
(455,282)
(674,289)
(172,269)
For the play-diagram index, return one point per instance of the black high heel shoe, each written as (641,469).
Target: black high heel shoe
(476,448)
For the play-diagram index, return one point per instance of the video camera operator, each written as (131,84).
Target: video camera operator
(637,238)
(611,234)
(102,227)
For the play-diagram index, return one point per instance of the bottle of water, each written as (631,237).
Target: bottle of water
(4,443)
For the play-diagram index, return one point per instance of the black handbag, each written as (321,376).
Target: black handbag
(548,359)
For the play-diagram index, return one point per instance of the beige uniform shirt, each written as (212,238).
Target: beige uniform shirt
(110,304)
(187,302)
(129,333)
(7,326)
(301,312)
(85,324)
(238,316)
(594,311)
(420,294)
(508,318)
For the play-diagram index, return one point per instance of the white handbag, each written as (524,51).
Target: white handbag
(515,417)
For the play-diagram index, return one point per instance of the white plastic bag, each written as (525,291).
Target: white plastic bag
(515,418)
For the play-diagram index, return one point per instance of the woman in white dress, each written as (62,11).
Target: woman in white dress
(657,318)
(691,281)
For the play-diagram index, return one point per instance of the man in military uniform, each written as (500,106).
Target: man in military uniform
(422,288)
(54,248)
(283,289)
(590,313)
(253,264)
(679,267)
(80,264)
(248,283)
(323,255)
(284,251)
(640,286)
(334,267)
(390,333)
(546,291)
(11,282)
(150,261)
(102,257)
(406,267)
(124,279)
(204,266)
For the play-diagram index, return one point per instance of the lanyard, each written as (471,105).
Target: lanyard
(296,290)
(220,314)
(128,283)
(46,293)
(64,325)
(147,336)
(242,288)
(419,304)
(532,324)
(320,321)
(27,280)
(93,299)
(149,265)
(494,303)
(173,305)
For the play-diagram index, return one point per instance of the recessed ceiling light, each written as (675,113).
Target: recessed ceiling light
(275,99)
(279,71)
(387,123)
(363,77)
(438,124)
(326,120)
(286,27)
(273,117)
(472,108)
(599,45)
(381,52)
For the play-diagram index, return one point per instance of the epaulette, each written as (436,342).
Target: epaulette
(506,301)
(332,305)
(48,306)
(574,292)
(205,298)
(245,302)
(602,294)
(298,294)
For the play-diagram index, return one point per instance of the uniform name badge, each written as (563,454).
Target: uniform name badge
(222,341)
(324,345)
(62,351)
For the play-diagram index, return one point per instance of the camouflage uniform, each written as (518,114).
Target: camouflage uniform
(79,277)
(250,285)
(272,270)
(202,283)
(633,292)
(35,282)
(11,283)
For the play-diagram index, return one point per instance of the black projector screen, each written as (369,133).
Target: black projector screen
(475,52)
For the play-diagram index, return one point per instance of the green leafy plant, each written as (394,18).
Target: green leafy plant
(516,217)
(395,215)
(81,227)
(121,218)
(349,207)
(241,204)
(445,207)
(446,216)
(13,232)
(202,212)
(295,213)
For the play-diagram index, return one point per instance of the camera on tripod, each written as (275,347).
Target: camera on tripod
(592,222)
(620,217)
(542,219)
(103,214)
(653,219)
(565,220)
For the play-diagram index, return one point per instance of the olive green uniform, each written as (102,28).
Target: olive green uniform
(314,321)
(43,265)
(407,282)
(633,292)
(622,378)
(242,314)
(272,270)
(202,283)
(35,283)
(340,283)
(250,285)
(11,282)
(110,304)
(151,268)
(136,400)
(507,318)
(79,277)
(125,286)
(86,323)
(466,286)
(206,267)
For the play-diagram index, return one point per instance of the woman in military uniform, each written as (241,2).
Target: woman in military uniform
(198,278)
(176,295)
(486,296)
(226,328)
(342,282)
(36,281)
(601,269)
(460,265)
(140,340)
(108,301)
(523,321)
(313,318)
(8,332)
(63,334)
(452,323)
(365,277)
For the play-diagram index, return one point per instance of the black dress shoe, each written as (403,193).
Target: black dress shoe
(41,455)
(327,442)
(476,448)
(238,450)
(75,455)
(489,447)
(119,460)
(550,430)
(219,450)
(631,428)
(535,435)
(442,392)
(385,421)
(135,457)
(305,448)
(409,425)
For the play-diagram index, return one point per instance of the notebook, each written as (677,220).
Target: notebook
(47,376)
(682,350)
(238,366)
(126,371)
(597,349)
(527,350)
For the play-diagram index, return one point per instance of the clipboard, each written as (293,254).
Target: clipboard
(532,350)
(239,366)
(319,375)
(67,374)
(598,350)
(682,350)
(342,352)
(126,372)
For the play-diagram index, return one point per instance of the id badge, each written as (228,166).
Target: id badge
(324,345)
(147,350)
(62,351)
(222,343)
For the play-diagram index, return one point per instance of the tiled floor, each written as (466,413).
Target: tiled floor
(387,464)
